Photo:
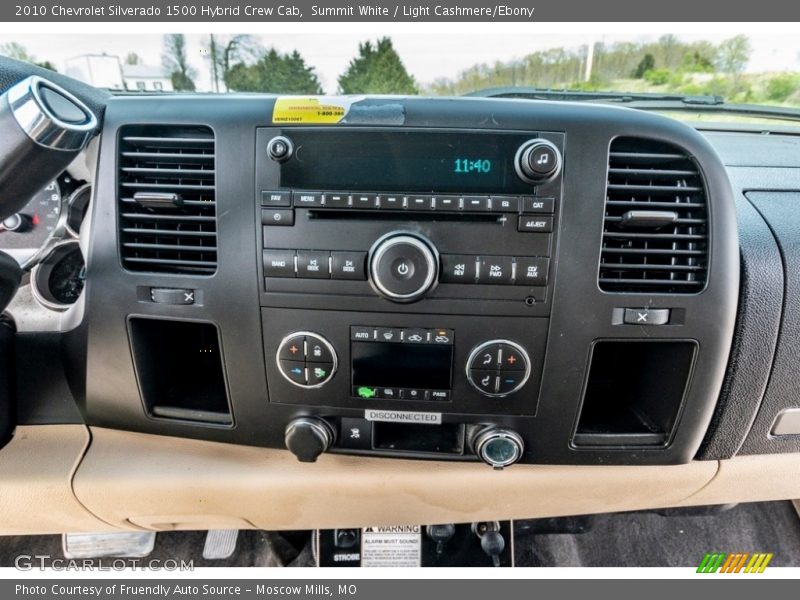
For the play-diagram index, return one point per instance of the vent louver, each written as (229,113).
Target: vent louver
(655,232)
(167,202)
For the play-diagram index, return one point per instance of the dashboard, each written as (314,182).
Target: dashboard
(554,284)
(586,297)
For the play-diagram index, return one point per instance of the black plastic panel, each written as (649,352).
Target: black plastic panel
(782,213)
(559,329)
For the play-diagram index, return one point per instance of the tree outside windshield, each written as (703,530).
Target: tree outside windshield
(736,68)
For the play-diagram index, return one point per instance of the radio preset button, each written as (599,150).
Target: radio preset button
(458,268)
(348,265)
(495,270)
(365,201)
(278,263)
(448,203)
(330,200)
(477,203)
(392,202)
(419,202)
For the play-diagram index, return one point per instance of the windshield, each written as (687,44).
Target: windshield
(741,69)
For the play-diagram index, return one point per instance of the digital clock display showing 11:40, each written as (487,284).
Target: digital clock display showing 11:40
(472,165)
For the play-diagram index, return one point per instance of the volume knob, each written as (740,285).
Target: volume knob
(537,161)
(402,267)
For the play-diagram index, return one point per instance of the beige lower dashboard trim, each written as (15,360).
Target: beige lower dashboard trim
(58,478)
(36,468)
(171,483)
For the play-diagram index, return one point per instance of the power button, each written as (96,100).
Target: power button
(402,267)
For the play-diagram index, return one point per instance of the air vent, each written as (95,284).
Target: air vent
(655,233)
(167,207)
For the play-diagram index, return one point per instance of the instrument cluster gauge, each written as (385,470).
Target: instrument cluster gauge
(53,215)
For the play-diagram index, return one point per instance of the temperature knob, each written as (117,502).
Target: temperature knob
(537,161)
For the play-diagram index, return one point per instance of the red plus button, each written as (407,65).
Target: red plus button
(512,359)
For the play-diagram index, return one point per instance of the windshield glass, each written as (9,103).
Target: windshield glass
(741,69)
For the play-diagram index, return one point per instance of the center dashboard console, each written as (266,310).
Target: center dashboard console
(458,280)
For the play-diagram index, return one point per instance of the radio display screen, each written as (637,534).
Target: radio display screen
(402,365)
(396,161)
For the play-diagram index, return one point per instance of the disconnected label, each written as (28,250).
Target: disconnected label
(399,546)
(311,110)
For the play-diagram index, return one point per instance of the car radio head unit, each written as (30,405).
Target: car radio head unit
(404,161)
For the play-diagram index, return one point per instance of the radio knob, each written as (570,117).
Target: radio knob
(280,148)
(498,447)
(402,267)
(308,437)
(537,161)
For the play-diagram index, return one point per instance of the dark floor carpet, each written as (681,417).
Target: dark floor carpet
(615,540)
(650,540)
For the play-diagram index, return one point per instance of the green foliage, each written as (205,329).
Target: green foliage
(648,63)
(733,55)
(276,73)
(377,70)
(176,63)
(658,76)
(17,51)
(780,87)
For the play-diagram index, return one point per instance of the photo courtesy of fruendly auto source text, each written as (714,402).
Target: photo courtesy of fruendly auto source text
(388,299)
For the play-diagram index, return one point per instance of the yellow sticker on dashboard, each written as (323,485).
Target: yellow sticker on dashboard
(311,110)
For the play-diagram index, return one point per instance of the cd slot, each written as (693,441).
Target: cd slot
(407,215)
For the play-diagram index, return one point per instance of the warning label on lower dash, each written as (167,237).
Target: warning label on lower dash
(399,546)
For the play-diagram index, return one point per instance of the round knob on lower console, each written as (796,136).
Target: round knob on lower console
(308,437)
(537,161)
(403,267)
(498,447)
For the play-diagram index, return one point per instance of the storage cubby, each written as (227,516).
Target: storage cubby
(180,372)
(634,392)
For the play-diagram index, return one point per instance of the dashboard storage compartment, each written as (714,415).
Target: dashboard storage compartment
(179,367)
(447,438)
(634,392)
